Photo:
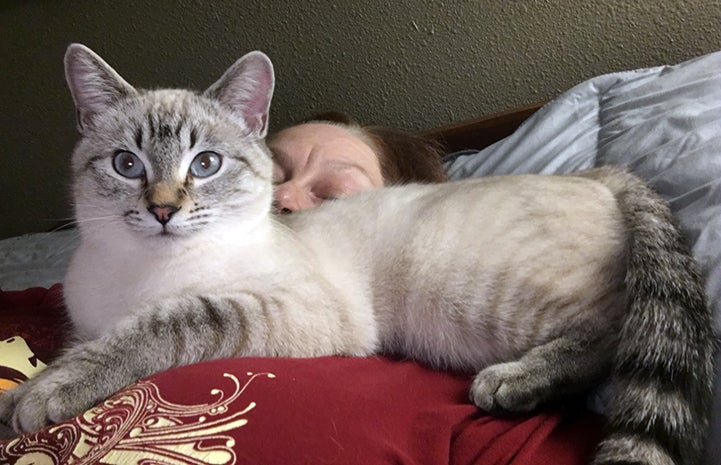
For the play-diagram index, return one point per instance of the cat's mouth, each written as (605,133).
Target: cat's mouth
(173,233)
(163,233)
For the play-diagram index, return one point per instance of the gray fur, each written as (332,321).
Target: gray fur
(543,286)
(666,343)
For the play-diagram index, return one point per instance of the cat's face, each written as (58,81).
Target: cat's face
(169,164)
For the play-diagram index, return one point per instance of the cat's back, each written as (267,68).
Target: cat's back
(470,257)
(483,211)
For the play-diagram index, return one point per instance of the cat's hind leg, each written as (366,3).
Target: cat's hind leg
(565,365)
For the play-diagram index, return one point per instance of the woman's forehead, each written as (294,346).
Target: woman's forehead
(314,133)
(323,140)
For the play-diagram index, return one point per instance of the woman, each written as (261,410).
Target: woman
(332,156)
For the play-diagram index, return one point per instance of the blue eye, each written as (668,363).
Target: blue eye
(128,164)
(205,164)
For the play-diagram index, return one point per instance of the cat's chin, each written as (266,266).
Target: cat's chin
(168,243)
(169,236)
(164,235)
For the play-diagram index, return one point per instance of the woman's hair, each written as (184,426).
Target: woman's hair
(404,157)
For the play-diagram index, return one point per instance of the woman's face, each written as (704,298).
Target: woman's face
(319,161)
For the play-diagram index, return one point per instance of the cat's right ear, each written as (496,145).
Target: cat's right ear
(247,89)
(95,86)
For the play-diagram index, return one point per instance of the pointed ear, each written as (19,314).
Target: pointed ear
(95,86)
(247,88)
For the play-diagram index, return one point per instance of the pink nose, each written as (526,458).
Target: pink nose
(163,213)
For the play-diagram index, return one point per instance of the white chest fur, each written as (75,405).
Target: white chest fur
(110,279)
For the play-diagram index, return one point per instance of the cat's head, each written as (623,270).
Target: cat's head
(170,164)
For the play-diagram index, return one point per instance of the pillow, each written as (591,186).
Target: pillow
(33,328)
(37,316)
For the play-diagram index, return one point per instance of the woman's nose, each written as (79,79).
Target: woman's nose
(289,197)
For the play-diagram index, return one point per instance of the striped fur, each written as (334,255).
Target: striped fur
(663,366)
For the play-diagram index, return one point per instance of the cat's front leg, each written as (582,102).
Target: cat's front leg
(178,332)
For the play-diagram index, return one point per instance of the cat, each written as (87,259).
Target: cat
(542,285)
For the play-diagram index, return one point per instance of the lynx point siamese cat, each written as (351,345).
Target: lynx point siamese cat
(542,285)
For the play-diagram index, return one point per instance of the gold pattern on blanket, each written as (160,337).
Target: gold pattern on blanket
(137,426)
(17,362)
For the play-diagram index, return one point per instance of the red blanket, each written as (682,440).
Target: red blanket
(329,410)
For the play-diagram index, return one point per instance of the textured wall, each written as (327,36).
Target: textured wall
(408,63)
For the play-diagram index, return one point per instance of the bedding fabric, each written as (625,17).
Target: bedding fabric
(36,260)
(278,411)
(664,123)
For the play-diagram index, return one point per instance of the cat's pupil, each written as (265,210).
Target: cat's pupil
(205,161)
(127,162)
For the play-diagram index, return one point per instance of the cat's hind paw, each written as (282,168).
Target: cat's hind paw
(506,387)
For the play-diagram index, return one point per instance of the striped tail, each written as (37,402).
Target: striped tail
(663,371)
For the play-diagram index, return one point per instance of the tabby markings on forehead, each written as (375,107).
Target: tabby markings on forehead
(151,125)
(193,137)
(139,137)
(161,129)
(164,131)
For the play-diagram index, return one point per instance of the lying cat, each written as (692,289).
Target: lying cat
(542,285)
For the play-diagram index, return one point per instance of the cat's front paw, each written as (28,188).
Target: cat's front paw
(505,387)
(22,413)
(7,407)
(51,397)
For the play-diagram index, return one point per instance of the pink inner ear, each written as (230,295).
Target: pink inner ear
(247,88)
(256,102)
(258,123)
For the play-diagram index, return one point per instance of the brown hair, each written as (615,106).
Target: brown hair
(404,157)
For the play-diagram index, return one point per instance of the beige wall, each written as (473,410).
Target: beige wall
(408,63)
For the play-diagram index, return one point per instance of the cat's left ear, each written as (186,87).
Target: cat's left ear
(247,88)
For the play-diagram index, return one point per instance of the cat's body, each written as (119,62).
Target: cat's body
(542,284)
(396,278)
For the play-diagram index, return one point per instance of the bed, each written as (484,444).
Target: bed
(663,122)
